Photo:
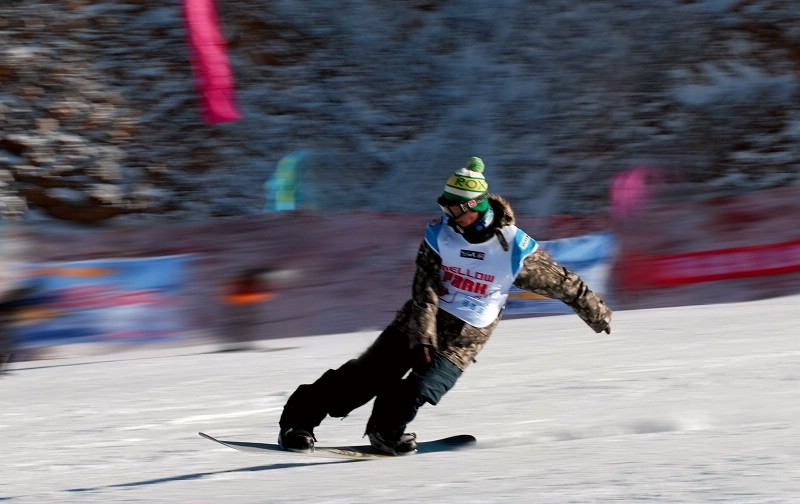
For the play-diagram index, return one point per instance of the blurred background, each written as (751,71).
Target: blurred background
(664,137)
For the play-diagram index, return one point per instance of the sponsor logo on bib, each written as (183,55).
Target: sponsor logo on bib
(472,254)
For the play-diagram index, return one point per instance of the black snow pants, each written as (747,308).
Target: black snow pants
(382,372)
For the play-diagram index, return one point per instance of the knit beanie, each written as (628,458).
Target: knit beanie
(468,183)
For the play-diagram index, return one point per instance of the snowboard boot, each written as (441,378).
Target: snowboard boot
(405,444)
(296,440)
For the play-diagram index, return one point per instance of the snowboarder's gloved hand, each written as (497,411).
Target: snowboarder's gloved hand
(422,355)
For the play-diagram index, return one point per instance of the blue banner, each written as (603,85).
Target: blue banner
(590,256)
(130,300)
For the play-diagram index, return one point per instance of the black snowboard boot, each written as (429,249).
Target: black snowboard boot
(297,440)
(404,444)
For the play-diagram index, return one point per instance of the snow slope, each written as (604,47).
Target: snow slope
(679,405)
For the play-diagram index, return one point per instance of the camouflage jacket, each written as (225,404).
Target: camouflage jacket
(460,342)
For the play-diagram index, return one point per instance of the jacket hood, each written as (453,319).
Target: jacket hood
(504,214)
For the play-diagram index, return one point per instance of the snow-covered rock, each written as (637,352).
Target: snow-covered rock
(555,96)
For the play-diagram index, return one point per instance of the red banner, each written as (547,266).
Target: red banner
(723,264)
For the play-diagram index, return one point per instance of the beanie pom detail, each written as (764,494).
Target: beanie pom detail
(475,164)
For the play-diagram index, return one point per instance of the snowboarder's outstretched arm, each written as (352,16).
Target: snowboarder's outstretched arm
(541,274)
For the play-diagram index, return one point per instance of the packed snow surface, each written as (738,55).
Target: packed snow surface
(691,404)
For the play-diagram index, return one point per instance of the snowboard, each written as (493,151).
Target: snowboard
(356,452)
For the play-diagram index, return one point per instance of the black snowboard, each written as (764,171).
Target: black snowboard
(359,452)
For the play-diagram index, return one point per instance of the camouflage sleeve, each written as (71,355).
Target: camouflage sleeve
(541,274)
(425,300)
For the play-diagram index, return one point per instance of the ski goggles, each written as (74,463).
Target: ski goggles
(447,206)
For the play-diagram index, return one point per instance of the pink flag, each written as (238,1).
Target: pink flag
(212,73)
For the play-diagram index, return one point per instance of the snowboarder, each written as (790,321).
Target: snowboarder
(244,297)
(13,306)
(466,264)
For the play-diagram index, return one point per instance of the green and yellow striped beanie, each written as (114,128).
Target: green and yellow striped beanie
(468,183)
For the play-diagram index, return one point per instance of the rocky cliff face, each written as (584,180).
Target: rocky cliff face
(99,117)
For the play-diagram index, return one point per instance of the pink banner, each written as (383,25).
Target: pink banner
(213,76)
